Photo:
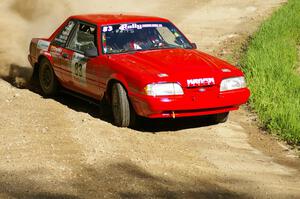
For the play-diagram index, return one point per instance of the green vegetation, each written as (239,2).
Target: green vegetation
(270,64)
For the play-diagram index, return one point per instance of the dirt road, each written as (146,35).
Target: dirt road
(59,148)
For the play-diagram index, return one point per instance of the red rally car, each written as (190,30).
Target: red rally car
(141,65)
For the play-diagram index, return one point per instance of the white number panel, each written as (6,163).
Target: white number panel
(78,68)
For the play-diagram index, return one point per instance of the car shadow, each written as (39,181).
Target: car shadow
(177,124)
(24,78)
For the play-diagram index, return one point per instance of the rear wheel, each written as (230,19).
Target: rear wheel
(123,114)
(220,118)
(47,79)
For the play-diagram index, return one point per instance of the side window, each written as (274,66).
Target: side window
(83,38)
(62,37)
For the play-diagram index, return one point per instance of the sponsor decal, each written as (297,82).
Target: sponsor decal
(124,27)
(78,68)
(55,51)
(43,45)
(200,82)
(138,26)
(63,36)
(107,29)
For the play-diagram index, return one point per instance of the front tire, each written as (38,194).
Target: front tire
(47,79)
(122,111)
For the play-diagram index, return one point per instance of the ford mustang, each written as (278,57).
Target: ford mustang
(141,65)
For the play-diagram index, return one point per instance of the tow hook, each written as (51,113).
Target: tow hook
(173,115)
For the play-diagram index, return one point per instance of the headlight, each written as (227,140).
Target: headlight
(232,83)
(163,89)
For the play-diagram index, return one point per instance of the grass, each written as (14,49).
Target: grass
(270,64)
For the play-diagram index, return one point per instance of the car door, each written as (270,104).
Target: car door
(83,70)
(60,55)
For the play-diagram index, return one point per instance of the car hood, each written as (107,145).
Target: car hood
(178,65)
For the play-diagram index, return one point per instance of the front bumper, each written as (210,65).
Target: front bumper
(192,103)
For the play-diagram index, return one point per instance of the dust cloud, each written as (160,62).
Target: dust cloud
(22,20)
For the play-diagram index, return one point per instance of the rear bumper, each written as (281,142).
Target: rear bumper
(190,104)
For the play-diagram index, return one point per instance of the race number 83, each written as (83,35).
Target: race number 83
(78,69)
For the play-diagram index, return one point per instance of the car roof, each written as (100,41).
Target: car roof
(104,19)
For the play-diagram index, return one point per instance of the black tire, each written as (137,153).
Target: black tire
(220,118)
(47,79)
(123,114)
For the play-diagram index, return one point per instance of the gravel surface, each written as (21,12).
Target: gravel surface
(60,148)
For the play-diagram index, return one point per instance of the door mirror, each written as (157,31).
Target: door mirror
(92,52)
(194,45)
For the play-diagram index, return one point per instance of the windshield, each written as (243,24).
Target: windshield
(121,38)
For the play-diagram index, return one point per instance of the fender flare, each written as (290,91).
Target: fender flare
(46,55)
(43,55)
(120,78)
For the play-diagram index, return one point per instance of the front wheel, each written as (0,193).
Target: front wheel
(47,79)
(122,112)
